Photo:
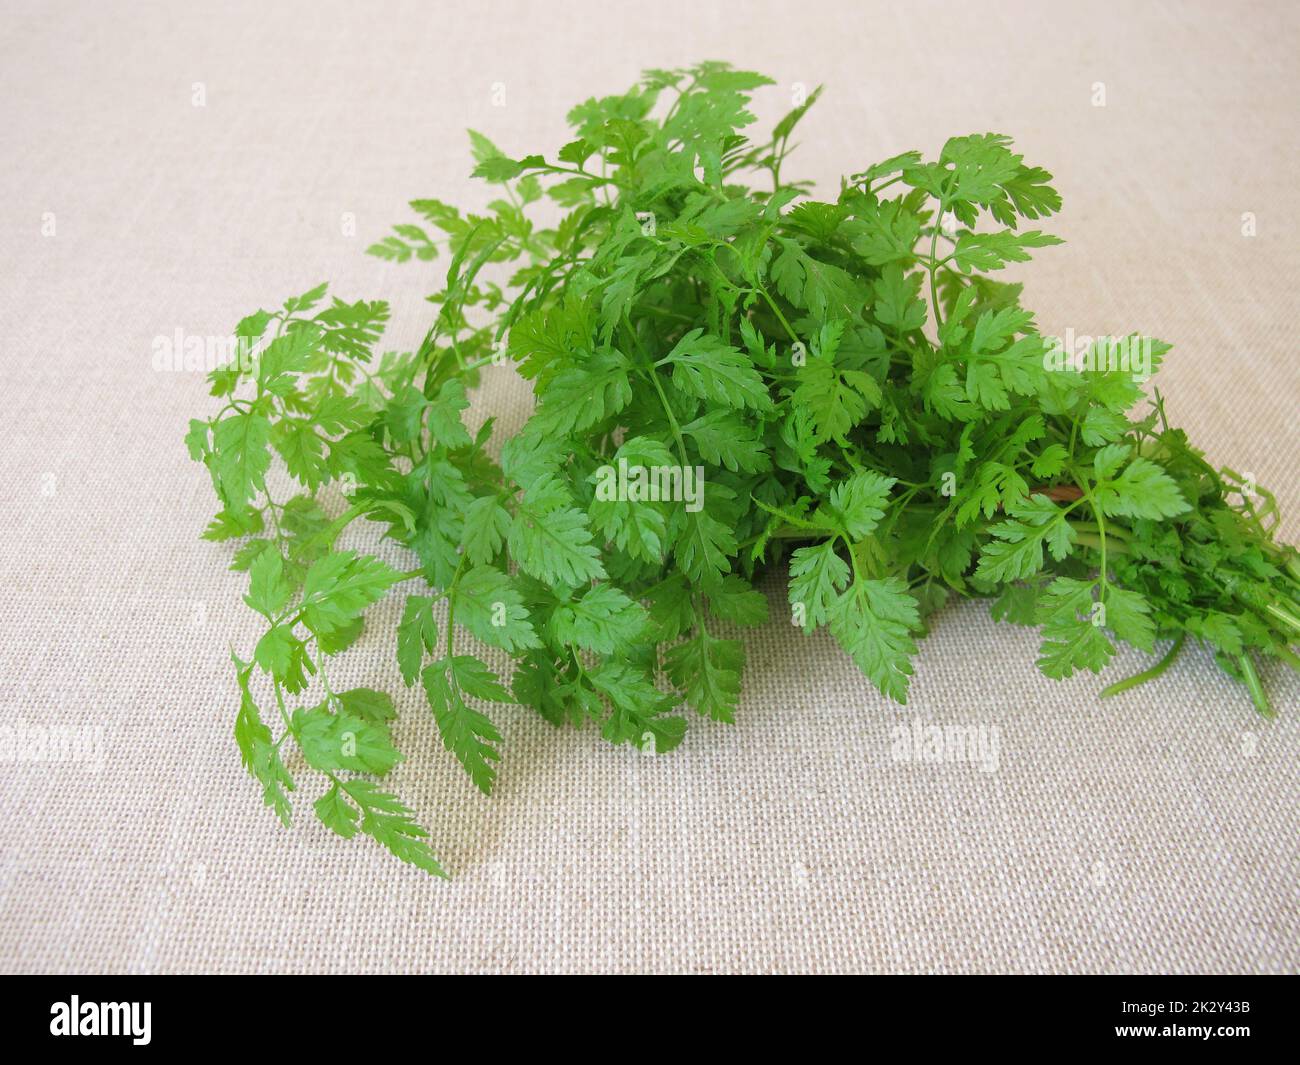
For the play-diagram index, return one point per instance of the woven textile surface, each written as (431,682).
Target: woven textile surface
(1156,831)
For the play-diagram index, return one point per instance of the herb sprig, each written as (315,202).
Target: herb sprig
(867,405)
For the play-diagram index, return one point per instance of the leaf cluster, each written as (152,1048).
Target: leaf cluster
(872,410)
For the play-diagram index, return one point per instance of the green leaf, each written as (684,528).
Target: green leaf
(897,302)
(374,706)
(707,669)
(302,449)
(389,822)
(859,502)
(817,577)
(602,620)
(473,677)
(724,440)
(704,366)
(242,456)
(873,622)
(260,756)
(1128,616)
(992,251)
(704,546)
(1018,553)
(343,741)
(550,540)
(639,709)
(836,400)
(488,604)
(806,281)
(1073,638)
(416,633)
(340,586)
(466,732)
(444,416)
(268,591)
(583,396)
(404,414)
(737,601)
(1143,490)
(637,527)
(280,653)
(336,813)
(487,523)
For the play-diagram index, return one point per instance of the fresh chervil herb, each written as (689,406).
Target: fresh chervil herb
(730,376)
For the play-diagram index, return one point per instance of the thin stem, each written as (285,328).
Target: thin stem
(794,337)
(934,285)
(1148,674)
(1254,686)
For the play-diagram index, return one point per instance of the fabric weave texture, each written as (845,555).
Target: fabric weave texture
(1152,832)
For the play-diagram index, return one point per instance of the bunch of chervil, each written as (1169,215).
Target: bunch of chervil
(728,377)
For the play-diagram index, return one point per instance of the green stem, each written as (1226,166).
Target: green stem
(1112,531)
(1254,686)
(672,418)
(1098,543)
(1149,674)
(934,285)
(279,699)
(794,338)
(332,530)
(1283,615)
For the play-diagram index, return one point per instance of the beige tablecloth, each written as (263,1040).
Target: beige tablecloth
(1156,831)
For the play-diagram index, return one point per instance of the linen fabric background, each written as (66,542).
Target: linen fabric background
(1152,832)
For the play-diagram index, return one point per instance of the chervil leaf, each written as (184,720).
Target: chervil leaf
(389,822)
(416,634)
(707,669)
(375,706)
(1073,638)
(1128,616)
(1018,553)
(725,440)
(340,586)
(286,357)
(836,400)
(737,601)
(444,415)
(603,620)
(242,459)
(706,367)
(466,732)
(873,622)
(487,524)
(343,741)
(810,282)
(859,502)
(704,546)
(1143,490)
(817,576)
(268,591)
(336,813)
(550,539)
(992,251)
(302,449)
(488,604)
(897,302)
(582,396)
(638,715)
